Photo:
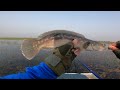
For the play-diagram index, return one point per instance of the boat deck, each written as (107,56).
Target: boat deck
(77,76)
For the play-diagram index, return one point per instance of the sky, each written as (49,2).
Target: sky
(94,25)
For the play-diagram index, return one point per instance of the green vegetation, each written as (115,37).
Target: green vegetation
(13,38)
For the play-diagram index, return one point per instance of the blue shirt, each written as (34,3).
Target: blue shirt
(42,71)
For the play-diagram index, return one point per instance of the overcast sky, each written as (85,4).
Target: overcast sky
(95,25)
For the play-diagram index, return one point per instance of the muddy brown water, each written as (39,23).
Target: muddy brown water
(104,63)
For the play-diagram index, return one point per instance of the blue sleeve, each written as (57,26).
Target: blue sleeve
(42,71)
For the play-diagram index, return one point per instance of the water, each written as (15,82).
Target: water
(104,63)
(12,60)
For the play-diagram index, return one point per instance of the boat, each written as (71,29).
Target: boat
(78,76)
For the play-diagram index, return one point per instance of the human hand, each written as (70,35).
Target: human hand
(63,56)
(76,50)
(61,59)
(112,47)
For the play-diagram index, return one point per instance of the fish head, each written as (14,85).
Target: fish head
(90,45)
(97,46)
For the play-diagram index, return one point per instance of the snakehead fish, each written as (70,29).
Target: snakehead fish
(51,39)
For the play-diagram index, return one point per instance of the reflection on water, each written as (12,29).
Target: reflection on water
(12,61)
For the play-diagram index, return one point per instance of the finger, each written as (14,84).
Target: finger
(76,43)
(77,52)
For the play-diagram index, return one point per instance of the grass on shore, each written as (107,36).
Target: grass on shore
(13,38)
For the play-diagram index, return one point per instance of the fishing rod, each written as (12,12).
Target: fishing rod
(90,69)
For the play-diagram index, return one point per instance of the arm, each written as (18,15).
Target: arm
(115,50)
(42,71)
(117,53)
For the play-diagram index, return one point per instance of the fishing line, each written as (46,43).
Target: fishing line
(89,69)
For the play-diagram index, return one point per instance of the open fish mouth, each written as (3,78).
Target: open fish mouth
(51,39)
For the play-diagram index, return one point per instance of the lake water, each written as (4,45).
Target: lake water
(104,63)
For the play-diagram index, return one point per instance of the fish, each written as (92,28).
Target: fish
(55,38)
